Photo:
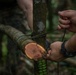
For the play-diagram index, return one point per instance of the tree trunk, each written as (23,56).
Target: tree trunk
(40,67)
(50,15)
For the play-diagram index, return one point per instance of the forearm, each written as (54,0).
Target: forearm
(70,45)
(27,7)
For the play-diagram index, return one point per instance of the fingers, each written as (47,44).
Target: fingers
(66,13)
(48,55)
(61,26)
(64,21)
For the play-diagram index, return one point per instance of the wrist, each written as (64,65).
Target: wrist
(68,47)
(65,52)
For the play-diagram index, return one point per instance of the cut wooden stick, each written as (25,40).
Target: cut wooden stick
(24,42)
(16,35)
(71,61)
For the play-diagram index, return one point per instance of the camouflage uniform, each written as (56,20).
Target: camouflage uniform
(10,14)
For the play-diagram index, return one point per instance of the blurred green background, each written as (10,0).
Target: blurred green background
(53,6)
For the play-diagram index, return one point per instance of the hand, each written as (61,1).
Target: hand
(34,51)
(54,54)
(67,20)
(27,7)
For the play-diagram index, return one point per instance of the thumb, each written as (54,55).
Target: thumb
(49,53)
(66,13)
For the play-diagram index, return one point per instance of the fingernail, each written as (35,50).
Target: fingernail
(59,11)
(48,55)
